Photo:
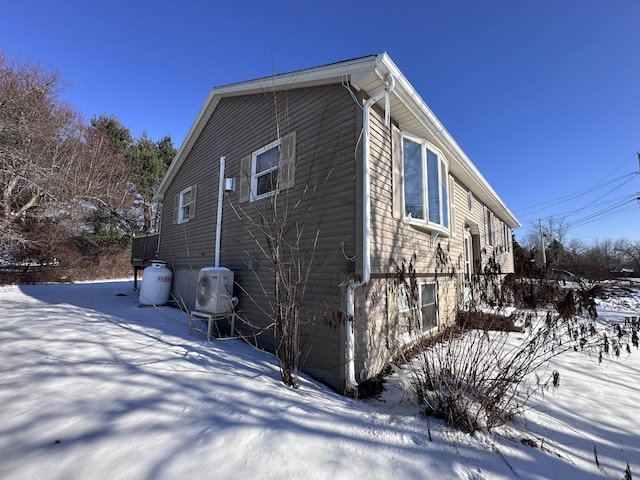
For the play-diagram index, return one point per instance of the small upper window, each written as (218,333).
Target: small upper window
(426,196)
(186,204)
(506,237)
(490,239)
(470,200)
(264,170)
(268,170)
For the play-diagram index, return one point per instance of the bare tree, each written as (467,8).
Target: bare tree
(34,128)
(608,253)
(555,236)
(575,250)
(632,251)
(51,161)
(285,225)
(285,229)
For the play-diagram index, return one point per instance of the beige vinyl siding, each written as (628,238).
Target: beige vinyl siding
(394,240)
(324,120)
(327,125)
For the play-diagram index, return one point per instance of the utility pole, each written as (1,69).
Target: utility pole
(544,254)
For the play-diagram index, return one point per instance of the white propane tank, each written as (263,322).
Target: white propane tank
(156,284)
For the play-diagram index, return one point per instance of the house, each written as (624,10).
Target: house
(371,186)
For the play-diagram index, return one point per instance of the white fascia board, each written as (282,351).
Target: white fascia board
(358,72)
(314,76)
(341,71)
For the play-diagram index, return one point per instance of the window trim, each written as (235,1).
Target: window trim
(443,186)
(405,311)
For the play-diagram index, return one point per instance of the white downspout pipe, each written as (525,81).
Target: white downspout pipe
(219,217)
(352,384)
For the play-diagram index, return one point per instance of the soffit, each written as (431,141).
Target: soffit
(413,116)
(368,74)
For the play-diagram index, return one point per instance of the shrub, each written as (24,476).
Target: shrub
(482,374)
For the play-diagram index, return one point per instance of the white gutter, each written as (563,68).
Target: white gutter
(219,218)
(352,384)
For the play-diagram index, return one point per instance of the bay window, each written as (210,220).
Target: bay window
(426,196)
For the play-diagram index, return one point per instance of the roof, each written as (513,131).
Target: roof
(369,75)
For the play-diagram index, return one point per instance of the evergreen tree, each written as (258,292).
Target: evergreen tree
(118,135)
(148,162)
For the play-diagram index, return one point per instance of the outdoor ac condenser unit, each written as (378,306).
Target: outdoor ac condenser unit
(214,292)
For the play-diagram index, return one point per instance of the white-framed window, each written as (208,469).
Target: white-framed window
(470,200)
(268,170)
(418,310)
(185,205)
(490,234)
(506,237)
(264,171)
(426,192)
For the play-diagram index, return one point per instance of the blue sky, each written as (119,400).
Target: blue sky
(543,96)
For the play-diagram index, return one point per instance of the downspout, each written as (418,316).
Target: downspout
(350,373)
(219,218)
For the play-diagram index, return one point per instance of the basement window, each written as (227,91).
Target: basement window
(418,311)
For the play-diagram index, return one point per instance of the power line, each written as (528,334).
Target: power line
(609,210)
(594,204)
(619,166)
(600,197)
(572,196)
(594,207)
(626,203)
(575,195)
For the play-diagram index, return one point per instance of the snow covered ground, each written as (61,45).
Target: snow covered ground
(94,386)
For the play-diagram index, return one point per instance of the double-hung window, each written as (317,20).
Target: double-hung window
(428,307)
(185,206)
(418,310)
(268,170)
(426,195)
(490,235)
(264,170)
(506,238)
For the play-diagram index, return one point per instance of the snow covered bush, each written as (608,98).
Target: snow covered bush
(481,369)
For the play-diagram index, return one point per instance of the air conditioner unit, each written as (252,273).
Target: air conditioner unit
(214,293)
